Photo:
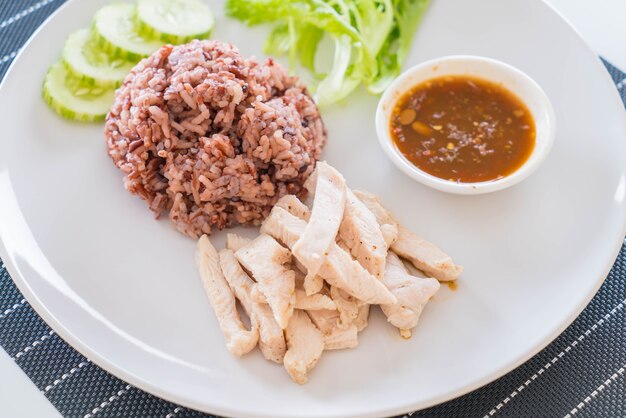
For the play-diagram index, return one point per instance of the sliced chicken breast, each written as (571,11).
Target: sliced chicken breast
(421,253)
(425,256)
(413,294)
(235,242)
(239,340)
(390,233)
(312,246)
(362,234)
(310,284)
(293,205)
(265,259)
(347,306)
(373,204)
(339,269)
(313,284)
(305,344)
(283,226)
(271,339)
(313,302)
(338,339)
(325,320)
(257,295)
(335,337)
(361,319)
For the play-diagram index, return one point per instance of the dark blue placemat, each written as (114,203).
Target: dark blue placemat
(580,374)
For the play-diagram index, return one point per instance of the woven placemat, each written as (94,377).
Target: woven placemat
(581,373)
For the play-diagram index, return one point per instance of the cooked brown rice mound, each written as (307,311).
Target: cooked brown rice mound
(212,138)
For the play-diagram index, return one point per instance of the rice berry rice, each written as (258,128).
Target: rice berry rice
(212,138)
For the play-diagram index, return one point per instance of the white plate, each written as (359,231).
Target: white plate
(123,290)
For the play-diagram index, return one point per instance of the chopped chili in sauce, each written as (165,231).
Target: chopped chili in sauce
(463,129)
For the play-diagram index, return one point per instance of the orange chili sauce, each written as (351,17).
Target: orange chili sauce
(463,129)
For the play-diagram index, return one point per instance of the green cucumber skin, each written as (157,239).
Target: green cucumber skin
(76,67)
(54,84)
(68,113)
(173,34)
(150,32)
(84,78)
(113,50)
(88,80)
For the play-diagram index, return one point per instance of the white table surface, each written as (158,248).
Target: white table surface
(600,22)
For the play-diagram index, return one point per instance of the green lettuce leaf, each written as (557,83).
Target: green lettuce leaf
(372,38)
(407,16)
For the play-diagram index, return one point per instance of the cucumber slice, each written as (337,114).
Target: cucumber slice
(174,21)
(87,63)
(116,33)
(73,100)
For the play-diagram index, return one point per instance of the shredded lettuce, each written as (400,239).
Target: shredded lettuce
(308,37)
(407,16)
(338,84)
(372,38)
(300,44)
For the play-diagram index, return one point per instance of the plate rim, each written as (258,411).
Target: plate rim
(134,380)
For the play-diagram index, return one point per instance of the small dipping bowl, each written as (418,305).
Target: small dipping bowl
(510,78)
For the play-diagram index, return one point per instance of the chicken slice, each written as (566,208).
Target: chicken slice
(421,253)
(347,306)
(325,320)
(335,338)
(257,295)
(283,226)
(339,339)
(304,282)
(293,205)
(339,269)
(271,338)
(390,233)
(329,192)
(361,319)
(265,259)
(305,344)
(239,340)
(313,284)
(388,226)
(235,242)
(413,294)
(362,234)
(373,204)
(425,256)
(313,302)
(310,284)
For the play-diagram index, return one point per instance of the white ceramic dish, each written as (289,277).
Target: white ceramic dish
(511,78)
(123,290)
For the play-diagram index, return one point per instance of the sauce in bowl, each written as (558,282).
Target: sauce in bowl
(463,129)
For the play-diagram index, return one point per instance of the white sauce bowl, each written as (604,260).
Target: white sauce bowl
(514,80)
